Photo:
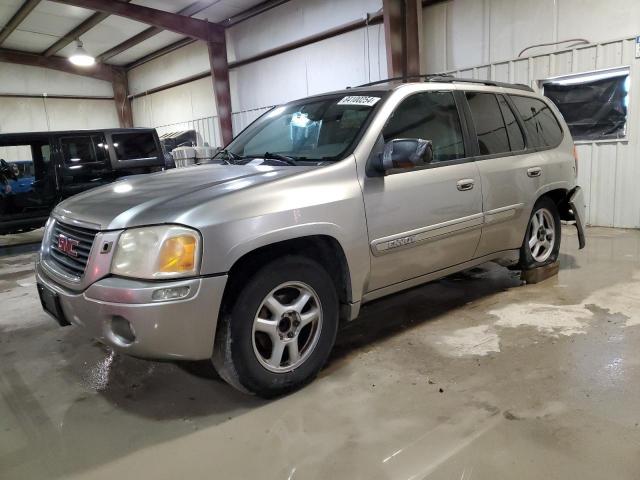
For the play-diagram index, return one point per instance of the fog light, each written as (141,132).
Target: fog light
(173,293)
(122,330)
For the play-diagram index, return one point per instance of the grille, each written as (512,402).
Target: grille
(72,265)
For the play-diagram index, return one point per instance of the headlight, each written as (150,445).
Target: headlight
(157,253)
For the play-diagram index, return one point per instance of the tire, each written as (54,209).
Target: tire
(269,320)
(533,252)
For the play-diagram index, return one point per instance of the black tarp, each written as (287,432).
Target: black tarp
(593,110)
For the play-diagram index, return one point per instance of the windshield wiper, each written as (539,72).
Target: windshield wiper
(278,156)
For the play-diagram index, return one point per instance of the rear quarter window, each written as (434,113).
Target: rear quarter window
(133,146)
(543,128)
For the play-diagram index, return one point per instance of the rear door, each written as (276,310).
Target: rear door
(515,134)
(503,161)
(426,219)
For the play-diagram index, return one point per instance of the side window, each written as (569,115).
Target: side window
(430,116)
(133,146)
(82,150)
(541,124)
(490,127)
(516,139)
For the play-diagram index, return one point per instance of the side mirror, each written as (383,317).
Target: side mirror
(405,153)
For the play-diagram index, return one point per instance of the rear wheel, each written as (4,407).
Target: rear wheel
(541,244)
(278,332)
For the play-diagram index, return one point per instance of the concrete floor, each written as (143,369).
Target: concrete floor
(472,377)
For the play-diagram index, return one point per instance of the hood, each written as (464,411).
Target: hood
(163,197)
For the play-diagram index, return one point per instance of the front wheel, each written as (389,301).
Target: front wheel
(541,244)
(277,333)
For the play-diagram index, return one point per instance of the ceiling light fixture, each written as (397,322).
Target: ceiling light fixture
(81,57)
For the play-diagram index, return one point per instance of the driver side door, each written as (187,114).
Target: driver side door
(424,219)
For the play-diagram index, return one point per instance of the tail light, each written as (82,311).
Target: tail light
(575,159)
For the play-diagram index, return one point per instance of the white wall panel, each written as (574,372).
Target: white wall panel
(37,114)
(185,102)
(25,80)
(177,65)
(292,21)
(347,60)
(490,31)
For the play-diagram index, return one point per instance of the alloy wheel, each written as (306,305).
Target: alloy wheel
(542,235)
(287,326)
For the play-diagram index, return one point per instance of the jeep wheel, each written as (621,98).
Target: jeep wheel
(280,328)
(542,240)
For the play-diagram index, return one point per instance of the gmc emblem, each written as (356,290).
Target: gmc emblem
(68,245)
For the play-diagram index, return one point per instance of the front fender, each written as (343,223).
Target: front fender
(225,244)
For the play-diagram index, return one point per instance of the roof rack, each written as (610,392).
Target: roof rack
(491,83)
(395,79)
(443,78)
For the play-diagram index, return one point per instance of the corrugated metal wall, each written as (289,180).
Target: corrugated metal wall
(609,170)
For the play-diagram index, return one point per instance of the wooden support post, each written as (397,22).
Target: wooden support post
(121,97)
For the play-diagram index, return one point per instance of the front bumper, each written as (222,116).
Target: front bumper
(178,329)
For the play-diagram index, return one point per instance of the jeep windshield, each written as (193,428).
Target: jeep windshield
(313,130)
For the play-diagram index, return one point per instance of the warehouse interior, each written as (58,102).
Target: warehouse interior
(477,375)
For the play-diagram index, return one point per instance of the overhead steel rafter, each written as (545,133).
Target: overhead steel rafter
(209,32)
(74,34)
(17,19)
(188,11)
(181,24)
(62,64)
(230,22)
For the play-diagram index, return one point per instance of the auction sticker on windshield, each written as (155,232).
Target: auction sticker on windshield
(359,100)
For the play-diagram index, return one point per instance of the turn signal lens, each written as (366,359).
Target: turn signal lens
(178,255)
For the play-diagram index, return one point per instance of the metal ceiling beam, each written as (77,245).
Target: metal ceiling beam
(160,52)
(252,12)
(100,72)
(17,19)
(188,11)
(74,34)
(402,29)
(221,89)
(183,25)
(394,35)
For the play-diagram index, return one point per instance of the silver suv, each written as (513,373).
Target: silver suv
(319,206)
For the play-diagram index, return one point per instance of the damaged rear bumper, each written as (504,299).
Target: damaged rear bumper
(577,208)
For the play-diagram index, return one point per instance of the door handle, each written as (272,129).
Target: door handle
(534,172)
(465,184)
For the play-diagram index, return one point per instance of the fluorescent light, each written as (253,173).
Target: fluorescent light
(81,57)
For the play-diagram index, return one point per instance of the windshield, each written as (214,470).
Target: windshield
(320,129)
